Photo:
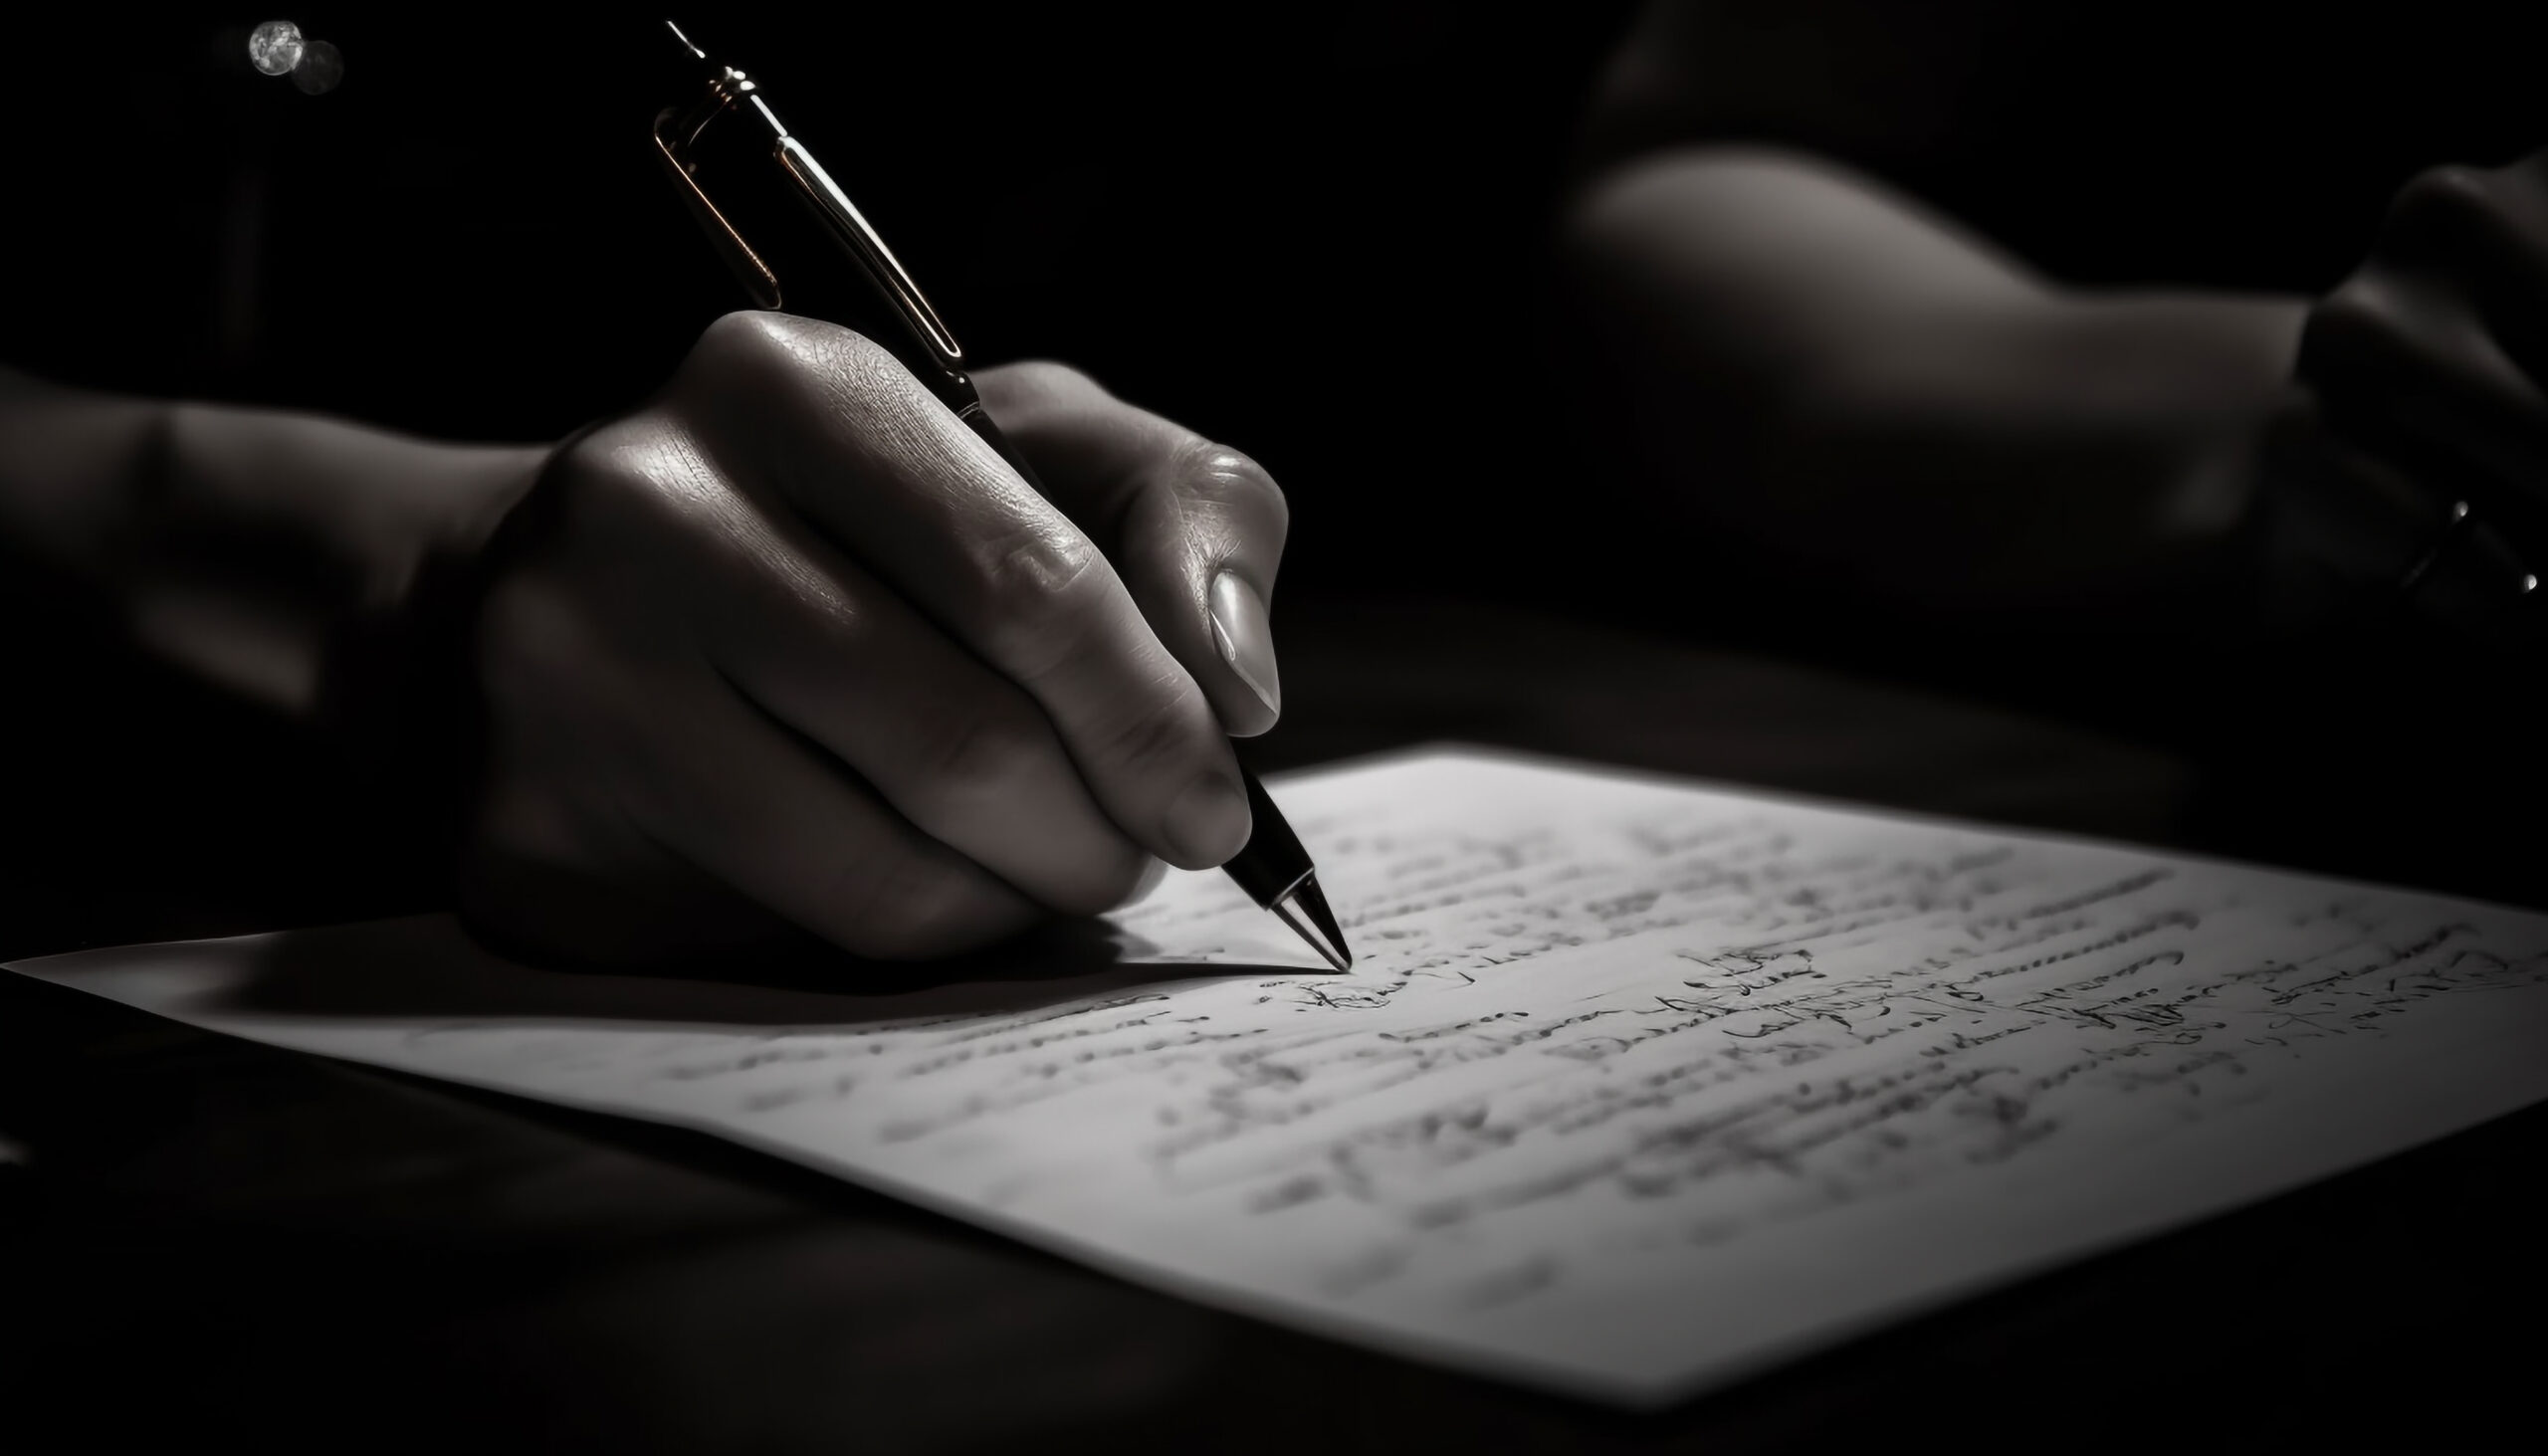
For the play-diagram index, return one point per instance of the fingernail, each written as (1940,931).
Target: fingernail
(1245,638)
(1208,822)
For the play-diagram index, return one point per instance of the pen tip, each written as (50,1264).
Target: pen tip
(1305,911)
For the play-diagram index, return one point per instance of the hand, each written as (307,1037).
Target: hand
(791,651)
(2420,387)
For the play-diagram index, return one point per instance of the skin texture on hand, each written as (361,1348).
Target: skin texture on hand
(791,652)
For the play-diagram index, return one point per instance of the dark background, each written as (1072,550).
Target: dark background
(1314,231)
(1319,232)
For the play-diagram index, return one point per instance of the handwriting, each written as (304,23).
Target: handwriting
(1605,1038)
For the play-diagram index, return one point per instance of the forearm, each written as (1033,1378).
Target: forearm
(1824,374)
(272,555)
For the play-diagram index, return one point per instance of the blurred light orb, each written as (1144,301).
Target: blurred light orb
(275,46)
(321,67)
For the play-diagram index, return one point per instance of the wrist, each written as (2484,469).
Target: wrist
(396,677)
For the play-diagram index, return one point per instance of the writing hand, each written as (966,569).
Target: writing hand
(2420,377)
(792,648)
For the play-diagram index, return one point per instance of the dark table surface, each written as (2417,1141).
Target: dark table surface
(201,1237)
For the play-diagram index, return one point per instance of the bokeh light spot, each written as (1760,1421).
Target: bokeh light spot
(275,46)
(321,67)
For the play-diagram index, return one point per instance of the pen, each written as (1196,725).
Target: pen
(1273,868)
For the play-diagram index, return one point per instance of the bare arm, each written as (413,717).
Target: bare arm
(1827,373)
(283,559)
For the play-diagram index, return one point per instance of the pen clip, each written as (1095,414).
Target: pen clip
(674,130)
(677,132)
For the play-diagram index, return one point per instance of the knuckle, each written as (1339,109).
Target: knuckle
(2444,207)
(847,362)
(2358,309)
(592,469)
(1218,472)
(858,363)
(757,357)
(1032,594)
(628,472)
(2361,322)
(747,339)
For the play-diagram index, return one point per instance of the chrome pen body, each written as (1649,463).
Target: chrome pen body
(916,336)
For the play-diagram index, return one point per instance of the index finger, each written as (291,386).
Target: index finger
(1195,528)
(889,475)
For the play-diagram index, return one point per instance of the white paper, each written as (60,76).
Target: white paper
(1635,1086)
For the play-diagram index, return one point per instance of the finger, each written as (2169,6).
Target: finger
(2407,370)
(2483,233)
(1195,528)
(754,805)
(962,753)
(887,473)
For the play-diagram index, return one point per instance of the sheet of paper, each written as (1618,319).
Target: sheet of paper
(1635,1087)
